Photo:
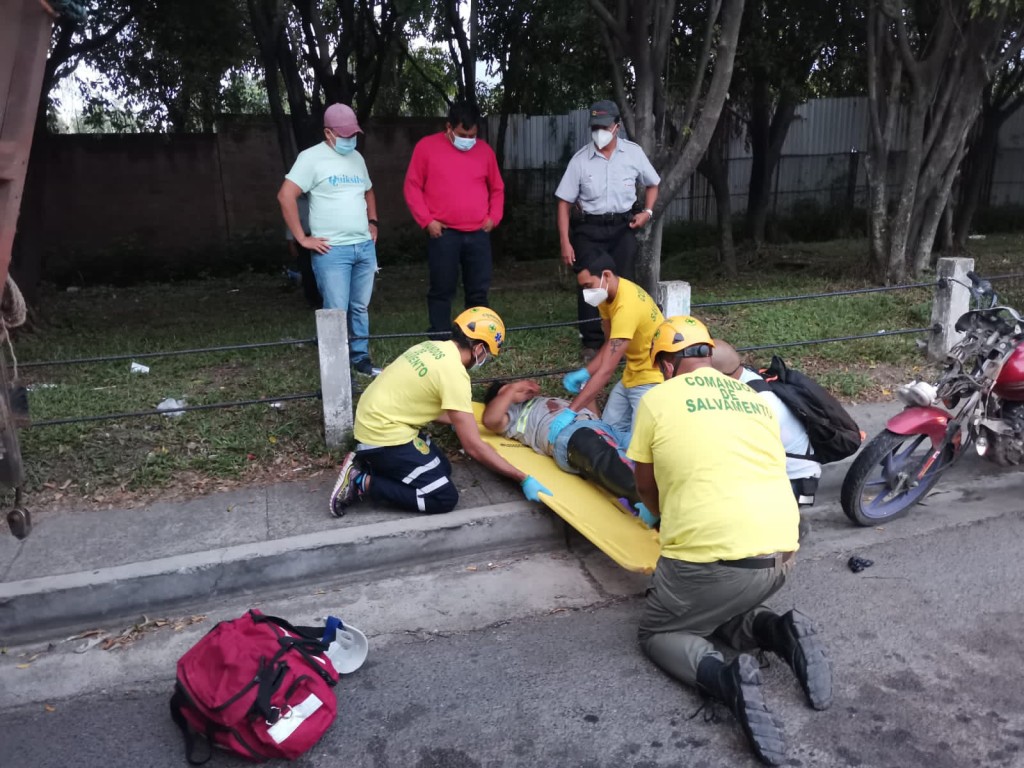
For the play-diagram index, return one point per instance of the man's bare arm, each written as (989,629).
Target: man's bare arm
(647,487)
(606,361)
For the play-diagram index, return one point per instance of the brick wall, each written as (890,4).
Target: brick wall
(97,204)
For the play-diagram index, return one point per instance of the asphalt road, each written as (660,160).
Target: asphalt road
(533,662)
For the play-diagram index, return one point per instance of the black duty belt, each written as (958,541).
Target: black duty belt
(607,218)
(761,561)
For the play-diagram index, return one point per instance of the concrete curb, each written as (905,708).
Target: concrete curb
(104,595)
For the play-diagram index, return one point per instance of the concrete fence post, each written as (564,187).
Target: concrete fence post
(335,376)
(673,297)
(952,299)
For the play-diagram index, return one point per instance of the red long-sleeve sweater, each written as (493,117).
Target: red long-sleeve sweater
(459,189)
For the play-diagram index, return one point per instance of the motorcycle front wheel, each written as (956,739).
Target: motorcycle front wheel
(874,489)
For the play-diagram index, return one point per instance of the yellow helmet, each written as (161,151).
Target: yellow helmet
(677,333)
(484,325)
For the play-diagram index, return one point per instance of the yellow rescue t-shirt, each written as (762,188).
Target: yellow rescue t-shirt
(415,389)
(633,315)
(720,469)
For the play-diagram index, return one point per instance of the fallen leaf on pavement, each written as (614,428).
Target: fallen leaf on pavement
(49,707)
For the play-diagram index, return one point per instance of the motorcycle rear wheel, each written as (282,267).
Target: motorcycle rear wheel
(869,495)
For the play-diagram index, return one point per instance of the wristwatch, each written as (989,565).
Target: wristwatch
(373,221)
(649,212)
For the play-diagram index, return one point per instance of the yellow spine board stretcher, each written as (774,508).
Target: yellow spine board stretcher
(588,508)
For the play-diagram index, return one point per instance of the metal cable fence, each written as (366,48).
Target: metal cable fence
(488,380)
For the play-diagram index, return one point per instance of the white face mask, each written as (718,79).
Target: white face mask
(477,363)
(602,138)
(596,296)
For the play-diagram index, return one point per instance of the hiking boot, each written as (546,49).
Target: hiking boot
(346,488)
(738,686)
(794,639)
(366,367)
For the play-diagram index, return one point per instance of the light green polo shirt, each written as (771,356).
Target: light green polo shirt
(337,186)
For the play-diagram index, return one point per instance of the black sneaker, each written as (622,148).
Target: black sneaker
(346,491)
(366,367)
(738,686)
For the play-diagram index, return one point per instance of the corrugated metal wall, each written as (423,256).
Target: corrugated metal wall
(814,170)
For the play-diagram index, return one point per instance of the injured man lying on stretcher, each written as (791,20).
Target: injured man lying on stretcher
(588,447)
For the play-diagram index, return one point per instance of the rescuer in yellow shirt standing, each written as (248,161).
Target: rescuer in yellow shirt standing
(630,318)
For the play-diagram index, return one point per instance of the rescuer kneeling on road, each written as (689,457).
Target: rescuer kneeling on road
(710,462)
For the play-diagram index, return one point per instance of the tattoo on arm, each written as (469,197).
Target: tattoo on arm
(614,344)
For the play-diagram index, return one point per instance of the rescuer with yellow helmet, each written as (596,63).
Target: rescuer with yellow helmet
(709,461)
(394,462)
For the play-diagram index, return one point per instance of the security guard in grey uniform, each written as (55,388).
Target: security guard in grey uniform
(601,181)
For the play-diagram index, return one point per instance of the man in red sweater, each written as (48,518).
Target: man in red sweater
(454,191)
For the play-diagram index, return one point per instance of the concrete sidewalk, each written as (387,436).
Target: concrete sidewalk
(100,566)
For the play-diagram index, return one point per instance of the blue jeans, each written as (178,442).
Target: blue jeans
(620,412)
(345,277)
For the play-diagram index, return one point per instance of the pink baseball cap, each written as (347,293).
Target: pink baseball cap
(342,120)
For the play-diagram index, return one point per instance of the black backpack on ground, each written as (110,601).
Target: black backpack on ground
(833,433)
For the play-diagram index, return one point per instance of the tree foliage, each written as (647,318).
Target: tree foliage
(173,62)
(781,42)
(672,66)
(929,62)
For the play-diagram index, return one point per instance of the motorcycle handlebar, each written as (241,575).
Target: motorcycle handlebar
(980,286)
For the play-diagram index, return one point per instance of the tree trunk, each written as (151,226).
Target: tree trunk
(648,267)
(980,160)
(759,187)
(715,168)
(878,214)
(723,205)
(677,139)
(937,205)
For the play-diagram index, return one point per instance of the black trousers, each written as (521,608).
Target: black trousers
(619,241)
(445,255)
(600,461)
(415,476)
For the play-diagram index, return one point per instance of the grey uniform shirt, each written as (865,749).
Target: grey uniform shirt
(603,185)
(529,422)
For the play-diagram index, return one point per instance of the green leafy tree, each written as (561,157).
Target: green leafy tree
(781,42)
(171,62)
(929,62)
(77,37)
(1003,97)
(672,66)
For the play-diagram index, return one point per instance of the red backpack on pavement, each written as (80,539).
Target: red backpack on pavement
(256,686)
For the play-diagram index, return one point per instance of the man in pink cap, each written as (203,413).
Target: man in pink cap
(342,222)
(455,193)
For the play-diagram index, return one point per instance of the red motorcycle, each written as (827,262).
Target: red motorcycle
(978,400)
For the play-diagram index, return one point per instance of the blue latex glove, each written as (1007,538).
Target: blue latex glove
(574,381)
(646,516)
(533,489)
(560,422)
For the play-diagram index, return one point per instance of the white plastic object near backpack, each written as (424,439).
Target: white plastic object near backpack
(348,650)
